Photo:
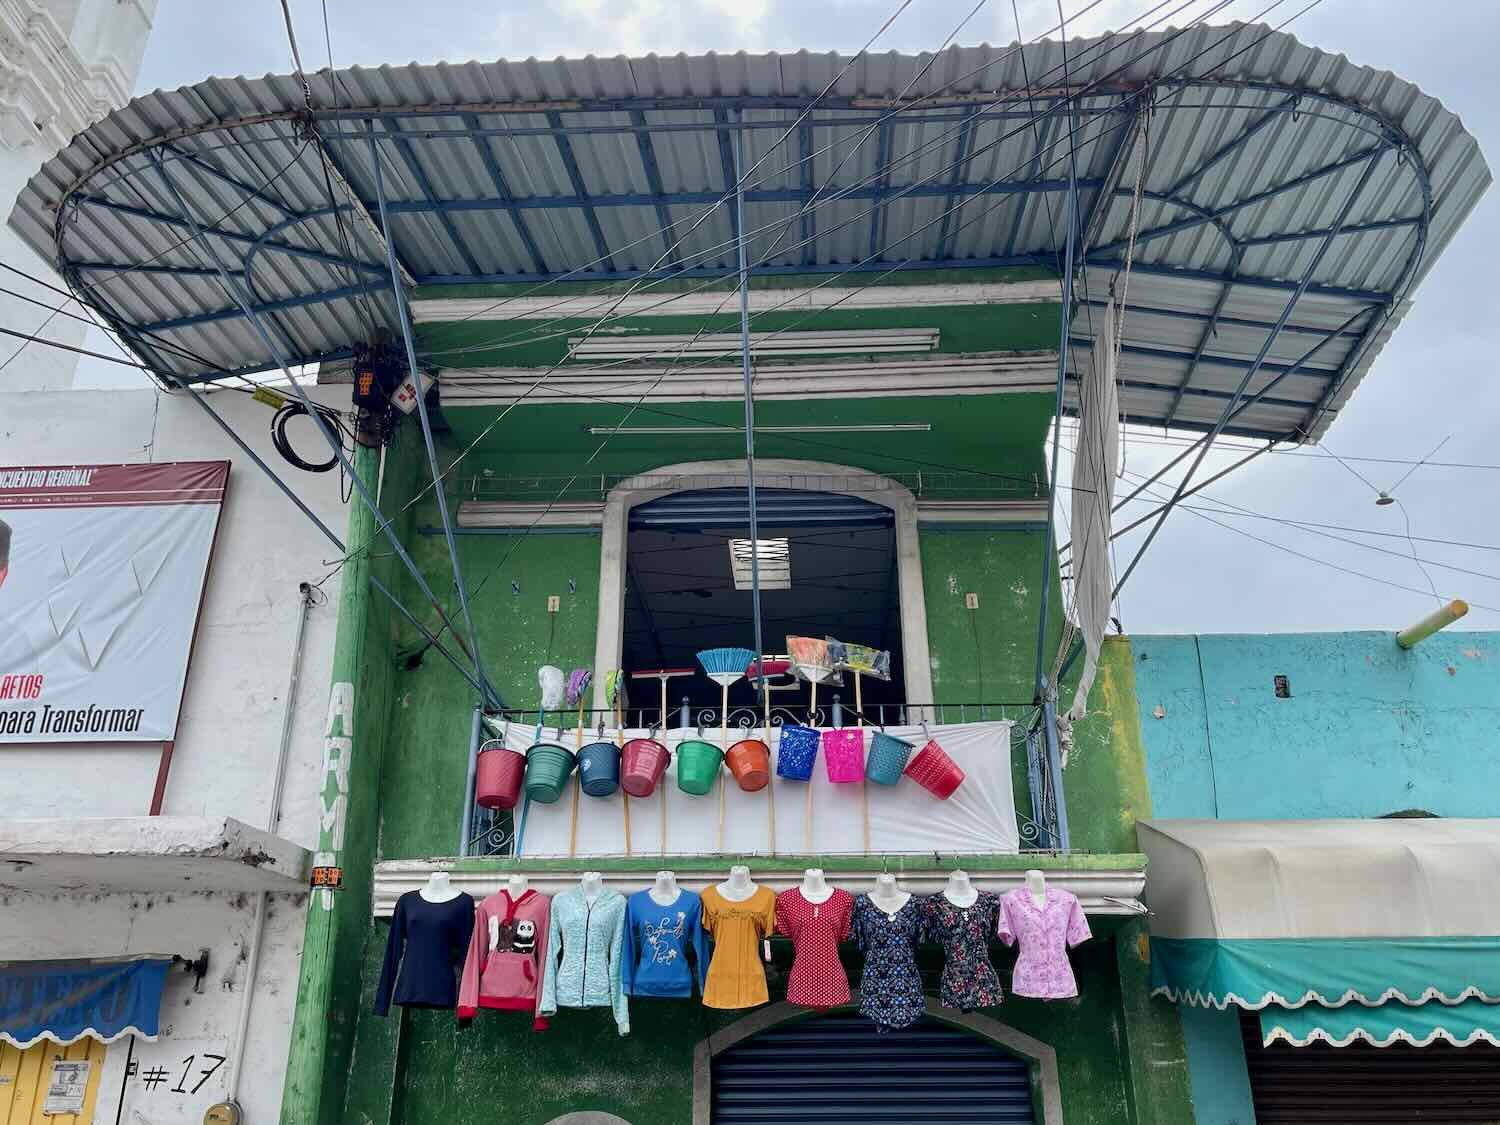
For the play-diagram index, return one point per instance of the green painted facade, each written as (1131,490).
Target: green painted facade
(1120,1053)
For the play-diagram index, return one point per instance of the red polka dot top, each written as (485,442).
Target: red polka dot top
(818,979)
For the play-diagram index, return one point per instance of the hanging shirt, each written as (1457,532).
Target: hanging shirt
(890,992)
(1046,933)
(736,975)
(507,949)
(423,952)
(818,979)
(969,977)
(657,940)
(585,945)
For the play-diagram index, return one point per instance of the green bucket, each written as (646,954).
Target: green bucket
(547,768)
(698,765)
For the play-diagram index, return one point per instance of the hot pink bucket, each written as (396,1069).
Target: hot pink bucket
(844,754)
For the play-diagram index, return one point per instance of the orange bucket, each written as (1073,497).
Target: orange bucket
(749,760)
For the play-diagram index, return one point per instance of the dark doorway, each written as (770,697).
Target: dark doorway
(838,1070)
(828,569)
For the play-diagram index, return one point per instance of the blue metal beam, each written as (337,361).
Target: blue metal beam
(231,312)
(1088,226)
(1228,149)
(653,181)
(958,169)
(502,189)
(178,223)
(403,146)
(338,166)
(1042,145)
(223,176)
(764,195)
(1148,352)
(1168,229)
(1323,232)
(1210,330)
(1228,321)
(1248,281)
(575,177)
(882,184)
(726,163)
(122,268)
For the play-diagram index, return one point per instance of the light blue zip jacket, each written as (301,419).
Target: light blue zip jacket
(584,945)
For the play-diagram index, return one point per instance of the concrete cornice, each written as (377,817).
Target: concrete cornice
(1101,890)
(48,93)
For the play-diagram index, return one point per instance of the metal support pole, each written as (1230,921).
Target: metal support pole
(399,296)
(739,208)
(1260,358)
(236,292)
(1054,769)
(466,821)
(428,635)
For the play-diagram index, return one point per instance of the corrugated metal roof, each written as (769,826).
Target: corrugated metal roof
(530,171)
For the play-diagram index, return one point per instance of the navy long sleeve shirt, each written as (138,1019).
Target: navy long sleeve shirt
(425,952)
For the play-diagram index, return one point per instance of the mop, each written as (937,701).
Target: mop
(612,694)
(724,666)
(578,686)
(662,674)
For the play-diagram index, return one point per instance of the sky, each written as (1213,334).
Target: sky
(1429,386)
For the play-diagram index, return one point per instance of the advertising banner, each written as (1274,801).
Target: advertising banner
(102,570)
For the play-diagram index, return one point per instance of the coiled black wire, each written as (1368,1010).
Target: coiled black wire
(296,409)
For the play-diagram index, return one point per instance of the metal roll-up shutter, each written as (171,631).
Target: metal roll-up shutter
(834,1069)
(1364,1085)
(775,507)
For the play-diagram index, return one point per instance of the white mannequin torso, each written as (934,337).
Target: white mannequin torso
(664,892)
(516,886)
(815,888)
(887,897)
(738,887)
(959,891)
(1036,886)
(439,888)
(593,886)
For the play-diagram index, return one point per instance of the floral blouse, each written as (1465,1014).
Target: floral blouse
(969,978)
(890,993)
(1046,933)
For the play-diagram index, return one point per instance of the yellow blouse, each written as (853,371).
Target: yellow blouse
(736,975)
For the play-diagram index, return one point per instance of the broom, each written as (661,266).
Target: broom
(578,686)
(612,694)
(724,666)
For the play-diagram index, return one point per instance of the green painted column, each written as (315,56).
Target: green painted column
(1154,1055)
(328,991)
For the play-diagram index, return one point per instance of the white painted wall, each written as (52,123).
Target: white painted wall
(228,735)
(64,64)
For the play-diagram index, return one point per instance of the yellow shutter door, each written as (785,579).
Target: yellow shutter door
(24,1076)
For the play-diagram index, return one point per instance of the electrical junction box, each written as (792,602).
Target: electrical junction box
(971,601)
(554,603)
(404,397)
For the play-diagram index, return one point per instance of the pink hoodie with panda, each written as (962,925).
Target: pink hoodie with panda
(506,972)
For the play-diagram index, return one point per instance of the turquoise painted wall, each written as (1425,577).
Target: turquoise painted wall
(1369,729)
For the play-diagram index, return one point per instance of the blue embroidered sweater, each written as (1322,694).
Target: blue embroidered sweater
(657,939)
(584,954)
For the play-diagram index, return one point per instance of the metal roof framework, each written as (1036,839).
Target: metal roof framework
(1275,171)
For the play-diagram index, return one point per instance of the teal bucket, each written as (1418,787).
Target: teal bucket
(547,768)
(698,764)
(887,758)
(599,769)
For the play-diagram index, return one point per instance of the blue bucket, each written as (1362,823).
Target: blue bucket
(796,752)
(599,769)
(887,758)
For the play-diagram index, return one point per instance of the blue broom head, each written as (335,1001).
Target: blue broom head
(728,662)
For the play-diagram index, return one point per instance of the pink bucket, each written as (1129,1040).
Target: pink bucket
(932,769)
(497,778)
(844,754)
(642,762)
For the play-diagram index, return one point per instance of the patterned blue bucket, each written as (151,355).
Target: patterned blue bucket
(599,768)
(796,752)
(888,755)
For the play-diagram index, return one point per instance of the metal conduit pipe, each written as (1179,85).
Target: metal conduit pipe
(273,819)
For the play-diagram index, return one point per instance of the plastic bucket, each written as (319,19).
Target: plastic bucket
(844,754)
(497,778)
(698,765)
(934,771)
(888,756)
(547,768)
(749,761)
(642,763)
(796,752)
(599,769)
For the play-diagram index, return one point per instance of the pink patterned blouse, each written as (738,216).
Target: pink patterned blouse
(1046,933)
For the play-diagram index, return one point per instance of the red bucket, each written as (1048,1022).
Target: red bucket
(932,769)
(642,762)
(497,780)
